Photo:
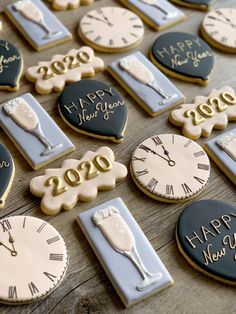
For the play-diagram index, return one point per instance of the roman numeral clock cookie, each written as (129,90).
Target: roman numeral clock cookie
(170,168)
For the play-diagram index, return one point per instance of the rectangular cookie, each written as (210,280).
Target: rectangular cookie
(222,150)
(33,131)
(159,14)
(37,23)
(112,221)
(153,91)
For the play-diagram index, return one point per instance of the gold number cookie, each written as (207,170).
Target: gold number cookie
(206,113)
(62,5)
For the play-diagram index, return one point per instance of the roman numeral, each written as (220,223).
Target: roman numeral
(124,40)
(224,39)
(137,26)
(147,149)
(199,180)
(41,227)
(88,32)
(133,18)
(12,293)
(98,38)
(141,173)
(152,184)
(134,35)
(173,138)
(199,154)
(214,33)
(169,189)
(111,42)
(56,257)
(52,240)
(186,188)
(5,225)
(157,140)
(50,276)
(203,166)
(24,221)
(187,144)
(33,288)
(139,159)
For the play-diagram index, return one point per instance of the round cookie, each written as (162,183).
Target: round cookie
(94,108)
(11,66)
(205,235)
(33,259)
(219,29)
(183,56)
(111,29)
(202,5)
(170,168)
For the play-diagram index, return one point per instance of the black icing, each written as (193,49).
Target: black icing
(10,64)
(6,169)
(210,213)
(89,97)
(206,2)
(170,48)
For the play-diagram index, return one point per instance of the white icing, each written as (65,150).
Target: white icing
(20,4)
(226,139)
(103,214)
(150,2)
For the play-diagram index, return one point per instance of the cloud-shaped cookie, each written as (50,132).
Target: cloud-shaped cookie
(77,180)
(206,113)
(52,75)
(68,4)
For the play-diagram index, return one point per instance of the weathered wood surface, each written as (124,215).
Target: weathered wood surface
(86,288)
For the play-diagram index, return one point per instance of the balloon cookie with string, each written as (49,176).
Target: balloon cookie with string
(62,5)
(206,113)
(77,179)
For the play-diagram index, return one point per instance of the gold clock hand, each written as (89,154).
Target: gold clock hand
(98,19)
(12,240)
(171,162)
(13,253)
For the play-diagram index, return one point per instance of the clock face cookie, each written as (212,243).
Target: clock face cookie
(183,56)
(170,168)
(94,108)
(11,66)
(219,29)
(222,150)
(111,29)
(194,4)
(33,259)
(7,173)
(205,235)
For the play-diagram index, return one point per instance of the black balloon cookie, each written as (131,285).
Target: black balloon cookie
(194,4)
(206,236)
(94,108)
(7,172)
(11,66)
(183,56)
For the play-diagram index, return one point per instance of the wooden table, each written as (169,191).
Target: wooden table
(86,288)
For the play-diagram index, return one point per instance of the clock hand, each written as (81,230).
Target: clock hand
(13,253)
(12,240)
(170,162)
(98,19)
(106,18)
(155,153)
(215,18)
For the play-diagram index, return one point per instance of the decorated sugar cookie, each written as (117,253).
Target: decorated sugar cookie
(111,29)
(206,236)
(183,56)
(7,173)
(222,150)
(33,259)
(159,14)
(95,109)
(194,4)
(77,180)
(37,23)
(11,66)
(0,26)
(170,168)
(132,265)
(219,29)
(52,75)
(206,113)
(61,5)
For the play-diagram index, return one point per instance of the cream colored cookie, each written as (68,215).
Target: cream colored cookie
(77,180)
(0,26)
(206,113)
(52,75)
(62,5)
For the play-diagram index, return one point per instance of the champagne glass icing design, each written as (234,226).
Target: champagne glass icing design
(157,4)
(228,143)
(32,13)
(121,238)
(142,74)
(26,118)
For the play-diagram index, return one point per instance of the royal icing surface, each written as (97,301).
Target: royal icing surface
(183,54)
(94,108)
(206,235)
(52,75)
(142,79)
(11,65)
(207,112)
(33,131)
(77,180)
(36,22)
(133,266)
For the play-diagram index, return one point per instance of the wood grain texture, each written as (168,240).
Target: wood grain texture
(86,289)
